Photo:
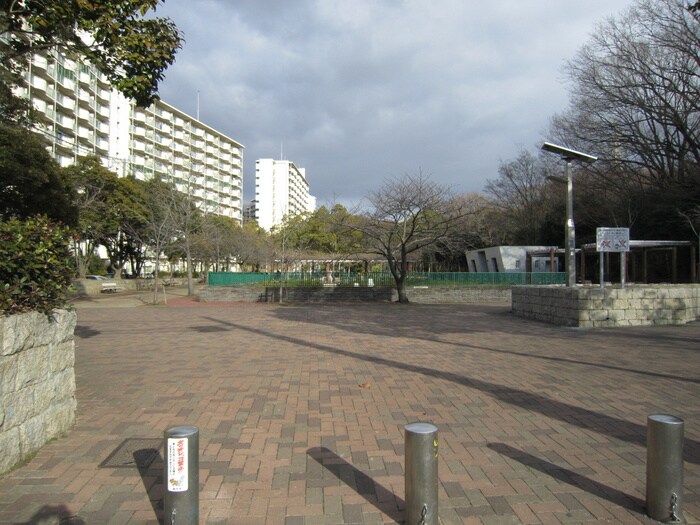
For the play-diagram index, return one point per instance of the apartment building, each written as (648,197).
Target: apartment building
(281,189)
(83,115)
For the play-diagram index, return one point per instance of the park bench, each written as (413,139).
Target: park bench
(110,288)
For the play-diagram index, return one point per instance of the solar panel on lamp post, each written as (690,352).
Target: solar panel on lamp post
(569,155)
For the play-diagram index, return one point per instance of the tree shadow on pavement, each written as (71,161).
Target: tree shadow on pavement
(570,414)
(491,319)
(570,477)
(55,514)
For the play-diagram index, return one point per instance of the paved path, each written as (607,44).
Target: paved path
(302,408)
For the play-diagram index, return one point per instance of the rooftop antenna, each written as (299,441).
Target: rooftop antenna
(282,150)
(197,104)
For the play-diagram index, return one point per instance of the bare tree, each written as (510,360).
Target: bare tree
(187,219)
(520,192)
(479,227)
(635,92)
(156,227)
(405,216)
(635,87)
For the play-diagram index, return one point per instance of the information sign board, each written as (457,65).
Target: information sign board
(612,239)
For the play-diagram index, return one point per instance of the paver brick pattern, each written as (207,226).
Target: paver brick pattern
(301,412)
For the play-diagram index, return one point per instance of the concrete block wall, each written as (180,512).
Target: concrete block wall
(37,382)
(308,294)
(588,307)
(327,294)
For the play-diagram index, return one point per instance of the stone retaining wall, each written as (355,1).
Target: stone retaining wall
(634,305)
(327,294)
(457,294)
(37,382)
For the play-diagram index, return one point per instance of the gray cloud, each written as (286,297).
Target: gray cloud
(361,91)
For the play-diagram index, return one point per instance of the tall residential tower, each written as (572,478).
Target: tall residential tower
(83,115)
(281,190)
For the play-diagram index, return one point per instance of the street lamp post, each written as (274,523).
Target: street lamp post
(569,155)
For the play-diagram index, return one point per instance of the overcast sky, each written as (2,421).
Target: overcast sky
(357,91)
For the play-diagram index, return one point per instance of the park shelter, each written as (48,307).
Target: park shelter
(647,262)
(513,259)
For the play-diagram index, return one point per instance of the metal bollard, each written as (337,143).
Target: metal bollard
(421,474)
(181,476)
(665,468)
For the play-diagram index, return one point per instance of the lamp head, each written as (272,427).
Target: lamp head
(568,154)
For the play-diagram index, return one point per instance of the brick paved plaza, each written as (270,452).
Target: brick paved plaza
(301,411)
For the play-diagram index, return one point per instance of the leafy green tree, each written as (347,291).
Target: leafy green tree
(126,207)
(217,241)
(118,36)
(253,248)
(95,187)
(30,180)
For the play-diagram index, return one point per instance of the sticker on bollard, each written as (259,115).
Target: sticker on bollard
(177,465)
(181,472)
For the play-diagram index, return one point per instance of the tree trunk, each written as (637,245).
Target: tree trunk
(401,289)
(188,255)
(156,271)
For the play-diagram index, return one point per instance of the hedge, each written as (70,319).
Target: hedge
(35,265)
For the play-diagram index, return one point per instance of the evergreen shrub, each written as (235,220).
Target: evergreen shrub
(35,265)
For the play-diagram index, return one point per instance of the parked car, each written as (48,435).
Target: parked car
(96,277)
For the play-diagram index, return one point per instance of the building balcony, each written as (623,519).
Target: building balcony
(39,61)
(85,133)
(66,102)
(102,144)
(66,84)
(65,121)
(102,112)
(85,78)
(85,115)
(40,84)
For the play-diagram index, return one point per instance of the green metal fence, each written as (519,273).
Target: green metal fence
(430,279)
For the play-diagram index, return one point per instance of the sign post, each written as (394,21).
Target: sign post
(613,240)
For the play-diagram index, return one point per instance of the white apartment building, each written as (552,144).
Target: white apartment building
(281,189)
(83,115)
